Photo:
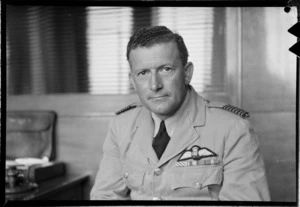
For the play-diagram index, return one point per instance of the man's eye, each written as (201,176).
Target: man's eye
(142,73)
(167,69)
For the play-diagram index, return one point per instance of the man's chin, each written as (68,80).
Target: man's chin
(162,108)
(161,112)
(157,107)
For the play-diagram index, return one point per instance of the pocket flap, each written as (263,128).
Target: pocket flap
(196,177)
(214,176)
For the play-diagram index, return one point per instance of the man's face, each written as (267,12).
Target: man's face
(159,77)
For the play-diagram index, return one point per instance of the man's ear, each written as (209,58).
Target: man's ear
(131,80)
(188,72)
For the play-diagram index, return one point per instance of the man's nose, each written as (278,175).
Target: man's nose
(155,82)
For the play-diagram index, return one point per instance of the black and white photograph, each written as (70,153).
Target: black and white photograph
(169,102)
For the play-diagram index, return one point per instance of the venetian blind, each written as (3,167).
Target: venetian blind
(83,49)
(109,29)
(46,49)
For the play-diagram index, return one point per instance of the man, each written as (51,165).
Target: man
(211,151)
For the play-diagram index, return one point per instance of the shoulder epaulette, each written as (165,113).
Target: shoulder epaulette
(236,111)
(127,108)
(229,108)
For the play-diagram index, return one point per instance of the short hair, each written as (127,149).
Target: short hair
(149,36)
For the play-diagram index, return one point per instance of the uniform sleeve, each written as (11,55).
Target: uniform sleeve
(244,176)
(108,184)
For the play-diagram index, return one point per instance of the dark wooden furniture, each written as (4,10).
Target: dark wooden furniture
(67,187)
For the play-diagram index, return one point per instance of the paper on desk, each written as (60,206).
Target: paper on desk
(29,161)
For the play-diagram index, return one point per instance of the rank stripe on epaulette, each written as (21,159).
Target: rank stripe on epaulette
(227,107)
(236,110)
(196,162)
(132,106)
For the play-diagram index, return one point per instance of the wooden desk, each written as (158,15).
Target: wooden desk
(67,187)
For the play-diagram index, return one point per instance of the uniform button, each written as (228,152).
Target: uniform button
(198,185)
(157,171)
(125,175)
(157,198)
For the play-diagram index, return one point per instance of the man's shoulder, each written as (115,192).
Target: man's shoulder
(128,112)
(226,109)
(128,108)
(224,116)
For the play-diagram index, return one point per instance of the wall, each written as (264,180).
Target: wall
(267,90)
(269,93)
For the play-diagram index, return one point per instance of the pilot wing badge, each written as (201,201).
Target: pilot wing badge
(197,156)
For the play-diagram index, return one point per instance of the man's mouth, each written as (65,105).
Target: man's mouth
(157,97)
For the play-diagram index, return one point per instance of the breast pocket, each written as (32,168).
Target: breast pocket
(196,177)
(133,174)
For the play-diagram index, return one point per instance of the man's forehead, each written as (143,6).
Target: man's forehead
(170,47)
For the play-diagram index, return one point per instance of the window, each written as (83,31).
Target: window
(83,49)
(46,50)
(107,42)
(109,29)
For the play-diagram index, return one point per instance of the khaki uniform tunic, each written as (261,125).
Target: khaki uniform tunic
(130,169)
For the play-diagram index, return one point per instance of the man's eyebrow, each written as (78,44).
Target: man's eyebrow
(157,68)
(142,69)
(167,64)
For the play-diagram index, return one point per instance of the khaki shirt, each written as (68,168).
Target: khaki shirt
(130,169)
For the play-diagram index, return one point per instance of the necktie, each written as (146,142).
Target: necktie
(161,140)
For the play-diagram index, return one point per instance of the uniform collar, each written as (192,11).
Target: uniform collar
(191,120)
(196,109)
